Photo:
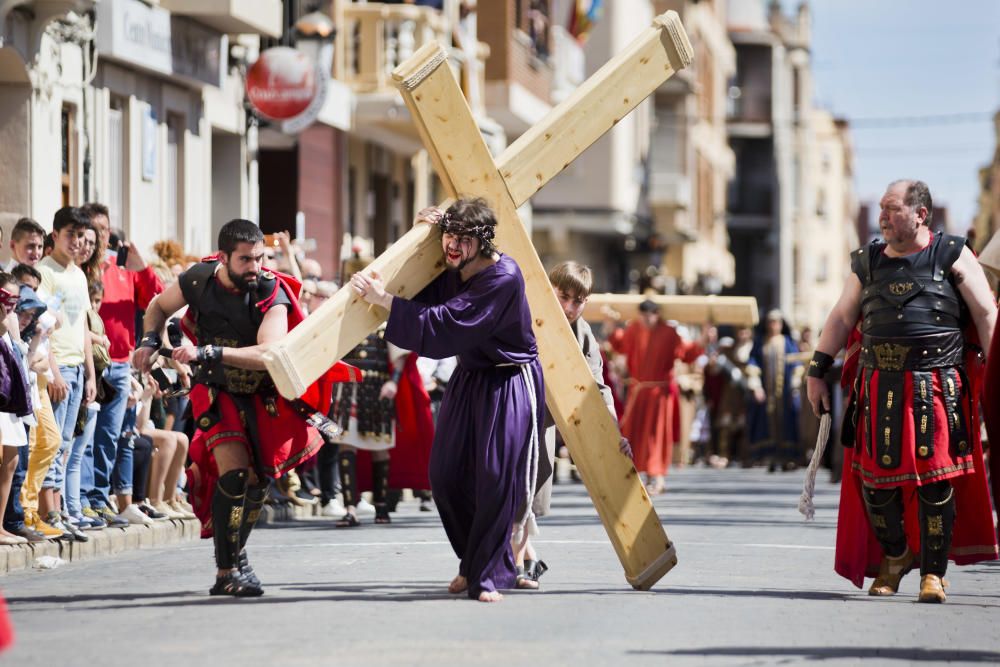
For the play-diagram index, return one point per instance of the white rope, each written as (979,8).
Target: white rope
(806,507)
(528,523)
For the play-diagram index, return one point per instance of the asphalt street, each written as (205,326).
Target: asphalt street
(754,585)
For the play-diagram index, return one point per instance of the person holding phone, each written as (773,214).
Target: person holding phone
(129,285)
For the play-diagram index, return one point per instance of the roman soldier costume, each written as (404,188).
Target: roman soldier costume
(235,405)
(914,478)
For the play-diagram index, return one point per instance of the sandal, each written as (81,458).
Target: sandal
(382,513)
(243,565)
(534,569)
(235,584)
(347,521)
(525,581)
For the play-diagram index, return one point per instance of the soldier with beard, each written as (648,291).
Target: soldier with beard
(246,432)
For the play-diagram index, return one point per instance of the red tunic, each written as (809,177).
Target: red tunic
(285,440)
(858,553)
(652,417)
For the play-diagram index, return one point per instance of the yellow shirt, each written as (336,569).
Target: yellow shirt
(67,290)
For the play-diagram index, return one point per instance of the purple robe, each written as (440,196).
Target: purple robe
(492,407)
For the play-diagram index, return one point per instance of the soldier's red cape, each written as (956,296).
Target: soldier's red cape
(858,553)
(991,415)
(285,441)
(414,431)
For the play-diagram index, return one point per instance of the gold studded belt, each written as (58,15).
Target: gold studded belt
(917,353)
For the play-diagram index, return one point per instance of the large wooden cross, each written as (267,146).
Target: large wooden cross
(738,311)
(465,166)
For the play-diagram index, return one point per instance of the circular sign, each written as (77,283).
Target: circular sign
(282,83)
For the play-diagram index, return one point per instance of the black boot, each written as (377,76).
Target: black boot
(380,490)
(227,520)
(256,495)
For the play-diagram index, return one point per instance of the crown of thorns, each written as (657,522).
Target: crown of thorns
(451,224)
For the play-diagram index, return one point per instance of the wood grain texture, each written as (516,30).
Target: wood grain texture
(738,311)
(461,156)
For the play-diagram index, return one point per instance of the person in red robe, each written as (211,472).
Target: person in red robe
(651,421)
(914,488)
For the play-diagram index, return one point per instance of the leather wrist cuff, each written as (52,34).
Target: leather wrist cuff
(209,353)
(151,339)
(820,364)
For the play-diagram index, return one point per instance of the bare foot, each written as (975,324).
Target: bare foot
(458,585)
(490,596)
(526,584)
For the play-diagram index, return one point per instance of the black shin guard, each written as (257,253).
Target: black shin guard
(256,495)
(227,517)
(937,518)
(347,462)
(885,512)
(380,481)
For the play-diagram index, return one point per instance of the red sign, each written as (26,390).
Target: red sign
(282,83)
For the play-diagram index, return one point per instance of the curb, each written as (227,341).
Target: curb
(102,543)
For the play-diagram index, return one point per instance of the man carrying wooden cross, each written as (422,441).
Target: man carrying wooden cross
(486,446)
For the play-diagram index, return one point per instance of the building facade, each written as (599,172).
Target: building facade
(791,208)
(137,105)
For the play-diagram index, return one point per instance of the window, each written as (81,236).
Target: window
(117,163)
(69,155)
(175,178)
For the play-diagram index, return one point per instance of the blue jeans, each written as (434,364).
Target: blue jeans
(107,431)
(13,518)
(65,412)
(121,478)
(75,462)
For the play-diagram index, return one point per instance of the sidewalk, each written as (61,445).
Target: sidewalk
(106,542)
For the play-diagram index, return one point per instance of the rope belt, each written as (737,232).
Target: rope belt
(528,523)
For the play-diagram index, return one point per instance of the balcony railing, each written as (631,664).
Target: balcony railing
(374,38)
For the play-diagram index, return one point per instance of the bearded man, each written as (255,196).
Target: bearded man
(484,459)
(245,431)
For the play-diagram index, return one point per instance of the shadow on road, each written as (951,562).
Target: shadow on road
(836,653)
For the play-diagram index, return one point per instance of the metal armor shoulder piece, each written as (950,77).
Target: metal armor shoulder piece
(861,260)
(949,249)
(194,281)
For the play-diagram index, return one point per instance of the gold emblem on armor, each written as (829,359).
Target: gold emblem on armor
(235,518)
(923,450)
(962,445)
(923,389)
(899,289)
(951,387)
(204,422)
(923,426)
(878,520)
(888,400)
(888,433)
(935,525)
(886,460)
(890,356)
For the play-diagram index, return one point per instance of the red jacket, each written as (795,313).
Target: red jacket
(125,294)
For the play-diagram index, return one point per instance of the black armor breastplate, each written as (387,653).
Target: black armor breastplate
(375,415)
(905,297)
(226,319)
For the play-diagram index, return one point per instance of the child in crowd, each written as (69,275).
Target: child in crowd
(572,283)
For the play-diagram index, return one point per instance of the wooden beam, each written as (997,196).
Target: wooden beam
(738,311)
(344,320)
(463,160)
